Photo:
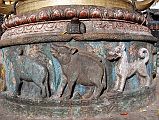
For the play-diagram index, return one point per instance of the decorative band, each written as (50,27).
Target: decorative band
(68,12)
(45,38)
(55,31)
(154,26)
(60,27)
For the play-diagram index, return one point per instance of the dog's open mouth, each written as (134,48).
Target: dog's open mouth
(113,57)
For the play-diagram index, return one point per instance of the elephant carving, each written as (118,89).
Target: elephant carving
(80,68)
(29,70)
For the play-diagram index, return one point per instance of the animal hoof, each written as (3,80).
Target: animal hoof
(88,97)
(66,97)
(114,90)
(119,92)
(44,96)
(110,94)
(15,94)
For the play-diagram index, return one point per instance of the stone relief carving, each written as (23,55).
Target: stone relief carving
(30,70)
(80,68)
(2,78)
(82,74)
(125,70)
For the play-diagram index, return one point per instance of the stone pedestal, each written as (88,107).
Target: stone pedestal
(78,61)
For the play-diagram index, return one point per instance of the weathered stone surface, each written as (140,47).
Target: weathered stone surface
(60,68)
(151,112)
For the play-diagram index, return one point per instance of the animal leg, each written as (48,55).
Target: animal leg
(16,92)
(143,74)
(98,91)
(148,81)
(47,85)
(47,89)
(70,88)
(43,89)
(62,89)
(117,82)
(116,85)
(89,94)
(122,84)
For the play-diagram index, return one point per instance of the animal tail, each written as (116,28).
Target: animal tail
(144,54)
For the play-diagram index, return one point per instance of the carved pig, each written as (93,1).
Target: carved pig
(80,68)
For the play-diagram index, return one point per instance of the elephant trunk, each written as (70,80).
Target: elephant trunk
(143,5)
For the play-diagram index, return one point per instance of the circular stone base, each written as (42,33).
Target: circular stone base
(125,102)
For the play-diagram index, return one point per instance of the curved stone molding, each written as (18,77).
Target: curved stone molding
(153,25)
(59,28)
(56,61)
(34,63)
(70,66)
(83,108)
(68,12)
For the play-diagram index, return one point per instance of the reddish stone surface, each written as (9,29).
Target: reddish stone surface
(68,12)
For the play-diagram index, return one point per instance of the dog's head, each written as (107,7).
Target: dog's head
(116,53)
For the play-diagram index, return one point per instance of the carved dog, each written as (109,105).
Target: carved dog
(27,69)
(80,68)
(125,70)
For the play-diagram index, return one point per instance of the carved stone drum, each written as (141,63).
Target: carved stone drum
(70,61)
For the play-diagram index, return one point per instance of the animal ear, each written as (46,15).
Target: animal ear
(122,45)
(73,50)
(53,51)
(20,51)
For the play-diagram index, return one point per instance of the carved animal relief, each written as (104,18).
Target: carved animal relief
(125,70)
(29,70)
(80,68)
(76,68)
